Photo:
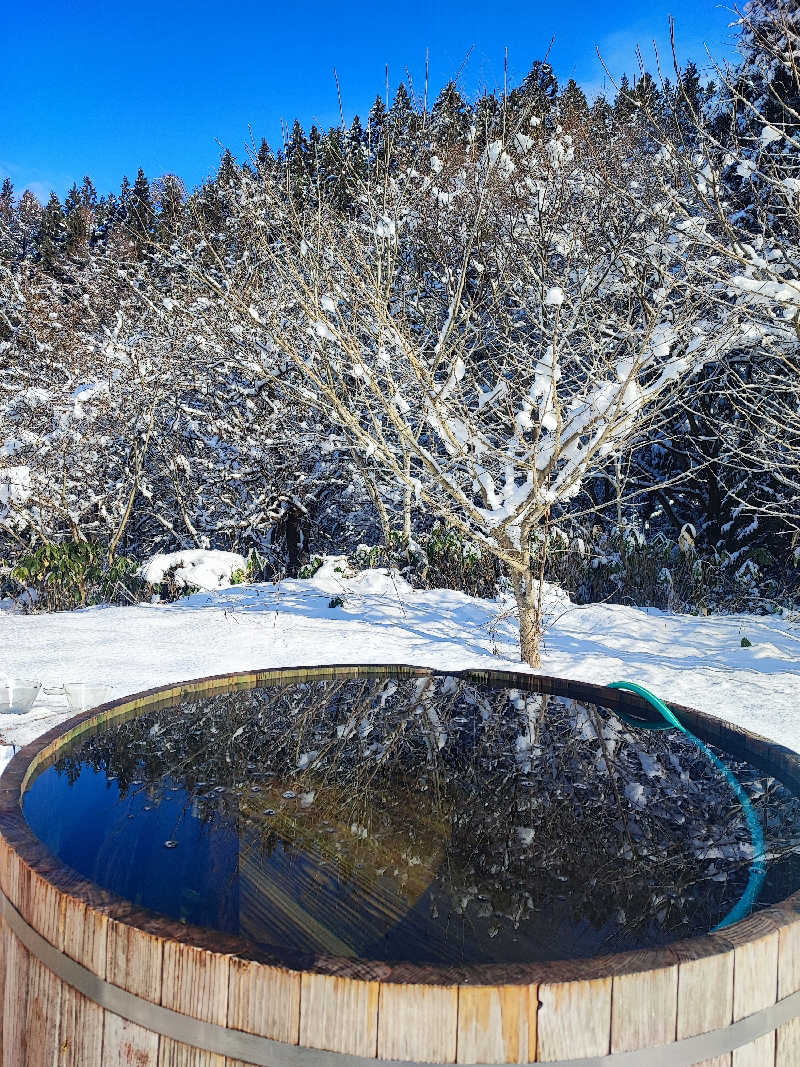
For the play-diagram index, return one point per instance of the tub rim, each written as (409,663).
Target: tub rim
(777,759)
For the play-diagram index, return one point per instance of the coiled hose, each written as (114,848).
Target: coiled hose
(670,721)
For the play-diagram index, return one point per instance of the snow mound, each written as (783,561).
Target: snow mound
(337,576)
(204,569)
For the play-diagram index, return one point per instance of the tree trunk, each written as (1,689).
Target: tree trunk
(530,623)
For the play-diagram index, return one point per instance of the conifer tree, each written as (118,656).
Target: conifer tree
(451,116)
(265,158)
(29,214)
(140,213)
(297,162)
(88,193)
(331,170)
(646,96)
(170,204)
(538,93)
(228,173)
(79,221)
(7,201)
(355,154)
(487,119)
(404,123)
(7,222)
(624,103)
(376,131)
(50,239)
(572,102)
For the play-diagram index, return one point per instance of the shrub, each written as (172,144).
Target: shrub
(73,574)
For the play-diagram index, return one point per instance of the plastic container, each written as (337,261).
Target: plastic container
(83,695)
(17,695)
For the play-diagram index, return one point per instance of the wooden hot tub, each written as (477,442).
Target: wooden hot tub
(89,980)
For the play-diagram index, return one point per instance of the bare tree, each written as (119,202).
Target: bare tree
(489,328)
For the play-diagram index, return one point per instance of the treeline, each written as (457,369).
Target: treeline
(525,332)
(332,162)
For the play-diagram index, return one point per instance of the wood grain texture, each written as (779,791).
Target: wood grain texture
(2,982)
(787,1037)
(340,1014)
(755,984)
(497,1024)
(195,982)
(84,939)
(134,963)
(43,1017)
(263,1000)
(644,1008)
(574,1019)
(705,990)
(15,1002)
(418,1022)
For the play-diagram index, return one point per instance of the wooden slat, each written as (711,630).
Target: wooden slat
(339,1014)
(496,1024)
(195,982)
(755,983)
(787,1038)
(574,1019)
(644,1008)
(43,1015)
(81,1041)
(263,1000)
(45,906)
(2,981)
(418,1022)
(705,990)
(134,963)
(15,1002)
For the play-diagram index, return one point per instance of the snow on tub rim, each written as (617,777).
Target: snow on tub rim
(94,979)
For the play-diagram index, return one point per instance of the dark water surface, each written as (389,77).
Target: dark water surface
(424,819)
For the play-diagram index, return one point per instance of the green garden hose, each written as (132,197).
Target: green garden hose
(669,721)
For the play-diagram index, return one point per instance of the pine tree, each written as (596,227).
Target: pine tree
(355,154)
(228,173)
(140,212)
(265,158)
(313,154)
(376,131)
(51,235)
(331,170)
(451,116)
(7,202)
(646,97)
(79,221)
(403,124)
(538,93)
(572,103)
(171,193)
(297,163)
(624,103)
(487,120)
(601,118)
(8,220)
(88,193)
(29,214)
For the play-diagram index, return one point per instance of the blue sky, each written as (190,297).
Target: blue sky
(90,87)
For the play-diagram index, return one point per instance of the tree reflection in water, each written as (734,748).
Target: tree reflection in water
(437,820)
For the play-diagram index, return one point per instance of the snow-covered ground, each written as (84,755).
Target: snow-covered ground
(696,661)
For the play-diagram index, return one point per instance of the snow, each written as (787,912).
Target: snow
(15,486)
(202,568)
(691,660)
